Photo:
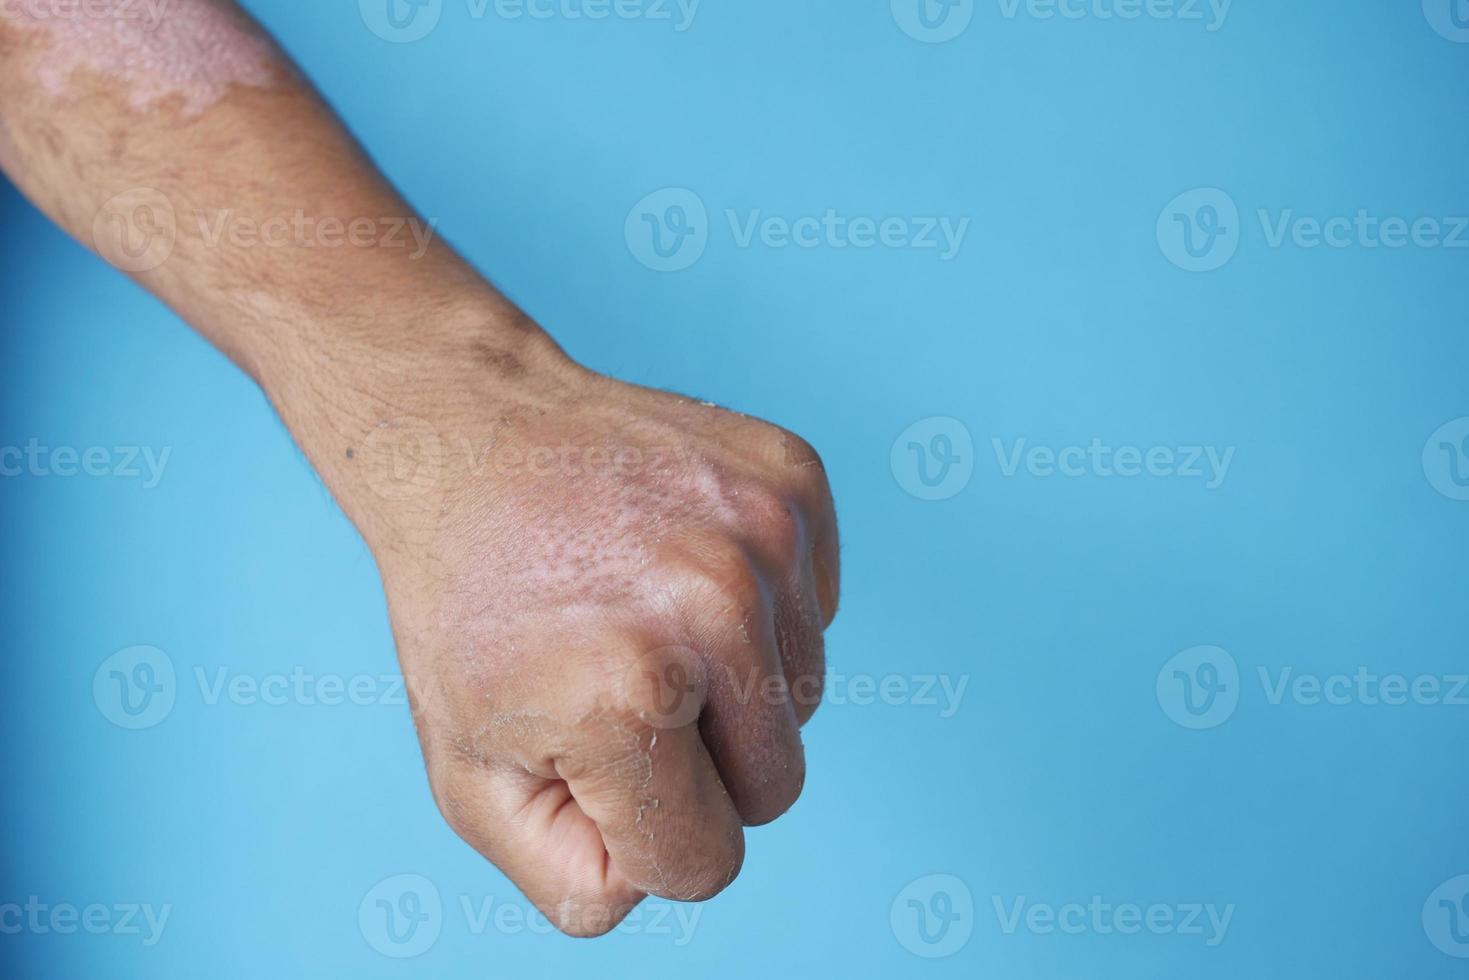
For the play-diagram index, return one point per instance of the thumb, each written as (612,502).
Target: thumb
(532,829)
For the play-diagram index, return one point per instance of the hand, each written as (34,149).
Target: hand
(609,604)
(609,601)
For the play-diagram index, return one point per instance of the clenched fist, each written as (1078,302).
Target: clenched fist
(610,602)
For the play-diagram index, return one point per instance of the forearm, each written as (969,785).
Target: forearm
(193,156)
(585,634)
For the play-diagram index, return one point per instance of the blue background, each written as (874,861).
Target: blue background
(1061,776)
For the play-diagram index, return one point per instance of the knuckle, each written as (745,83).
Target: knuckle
(722,574)
(587,917)
(456,804)
(804,465)
(774,798)
(708,885)
(800,454)
(710,871)
(802,652)
(661,689)
(772,522)
(806,691)
(805,683)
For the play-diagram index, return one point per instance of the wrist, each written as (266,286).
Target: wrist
(390,409)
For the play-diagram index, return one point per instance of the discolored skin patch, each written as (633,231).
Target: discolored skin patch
(192,50)
(569,536)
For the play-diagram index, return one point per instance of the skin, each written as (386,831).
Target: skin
(608,601)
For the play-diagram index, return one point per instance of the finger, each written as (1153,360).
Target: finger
(778,535)
(812,489)
(748,720)
(799,636)
(751,726)
(532,829)
(826,566)
(655,796)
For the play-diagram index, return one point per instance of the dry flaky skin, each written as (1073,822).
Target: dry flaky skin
(603,596)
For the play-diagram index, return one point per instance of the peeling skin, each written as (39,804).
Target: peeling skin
(193,49)
(647,801)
